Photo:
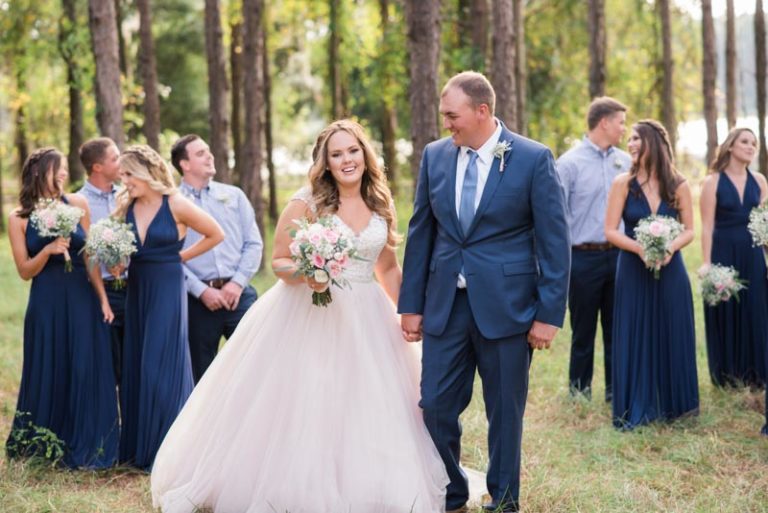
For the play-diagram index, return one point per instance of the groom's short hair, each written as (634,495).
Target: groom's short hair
(476,86)
(603,107)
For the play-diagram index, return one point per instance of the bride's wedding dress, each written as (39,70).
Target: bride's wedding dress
(307,409)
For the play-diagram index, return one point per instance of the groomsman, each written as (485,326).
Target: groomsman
(587,171)
(218,280)
(100,159)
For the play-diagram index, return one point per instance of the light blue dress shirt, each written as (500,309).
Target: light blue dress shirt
(101,205)
(238,256)
(587,173)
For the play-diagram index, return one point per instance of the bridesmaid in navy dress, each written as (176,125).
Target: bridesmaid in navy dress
(157,372)
(737,331)
(654,354)
(67,385)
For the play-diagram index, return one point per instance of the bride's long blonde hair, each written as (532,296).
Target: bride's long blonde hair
(146,164)
(374,189)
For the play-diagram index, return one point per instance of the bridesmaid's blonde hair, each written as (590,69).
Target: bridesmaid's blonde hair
(374,189)
(146,164)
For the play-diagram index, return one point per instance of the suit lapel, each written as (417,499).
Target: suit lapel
(494,178)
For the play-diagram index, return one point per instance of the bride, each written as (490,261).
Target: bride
(313,409)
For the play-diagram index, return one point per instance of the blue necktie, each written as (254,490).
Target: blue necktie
(468,191)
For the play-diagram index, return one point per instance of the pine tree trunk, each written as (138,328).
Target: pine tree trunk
(424,48)
(121,39)
(273,213)
(253,94)
(521,69)
(68,49)
(109,102)
(503,62)
(20,134)
(667,70)
(338,109)
(218,116)
(597,48)
(388,112)
(731,62)
(236,68)
(760,64)
(473,24)
(709,77)
(148,69)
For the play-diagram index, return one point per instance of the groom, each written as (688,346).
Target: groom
(485,279)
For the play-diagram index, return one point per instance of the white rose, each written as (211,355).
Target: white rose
(321,276)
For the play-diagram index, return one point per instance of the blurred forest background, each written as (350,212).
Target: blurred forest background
(258,79)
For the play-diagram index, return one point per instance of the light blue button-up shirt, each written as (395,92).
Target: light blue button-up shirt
(587,172)
(101,205)
(237,257)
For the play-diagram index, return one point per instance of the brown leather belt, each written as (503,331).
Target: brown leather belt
(593,246)
(217,283)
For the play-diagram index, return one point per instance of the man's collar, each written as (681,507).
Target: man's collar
(485,152)
(597,148)
(95,190)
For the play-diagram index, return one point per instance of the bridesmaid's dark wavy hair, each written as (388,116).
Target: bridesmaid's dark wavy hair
(41,164)
(656,156)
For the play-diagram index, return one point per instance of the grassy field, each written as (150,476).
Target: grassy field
(573,460)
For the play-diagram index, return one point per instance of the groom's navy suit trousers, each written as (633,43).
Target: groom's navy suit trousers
(515,258)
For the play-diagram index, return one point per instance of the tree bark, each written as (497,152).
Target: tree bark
(109,103)
(273,213)
(760,64)
(68,49)
(424,47)
(20,136)
(388,112)
(709,77)
(338,107)
(236,68)
(474,18)
(597,48)
(503,62)
(731,63)
(151,127)
(253,93)
(218,116)
(121,38)
(667,71)
(521,69)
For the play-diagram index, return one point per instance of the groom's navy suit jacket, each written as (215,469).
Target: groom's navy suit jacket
(515,256)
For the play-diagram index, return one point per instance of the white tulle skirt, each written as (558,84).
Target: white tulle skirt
(306,409)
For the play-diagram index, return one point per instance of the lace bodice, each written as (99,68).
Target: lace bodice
(369,242)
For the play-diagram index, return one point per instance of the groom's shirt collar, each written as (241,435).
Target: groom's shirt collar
(485,152)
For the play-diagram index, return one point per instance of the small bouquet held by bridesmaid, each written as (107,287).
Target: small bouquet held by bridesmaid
(110,242)
(54,218)
(720,283)
(758,225)
(655,234)
(321,250)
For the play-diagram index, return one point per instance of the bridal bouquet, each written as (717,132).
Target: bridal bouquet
(110,242)
(758,225)
(54,218)
(720,283)
(321,250)
(655,234)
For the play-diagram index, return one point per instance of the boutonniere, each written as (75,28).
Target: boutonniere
(499,150)
(617,163)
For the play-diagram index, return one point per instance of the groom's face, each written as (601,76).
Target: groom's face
(461,118)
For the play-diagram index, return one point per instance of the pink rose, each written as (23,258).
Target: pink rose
(318,261)
(315,239)
(334,269)
(295,248)
(343,261)
(331,235)
(108,235)
(658,229)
